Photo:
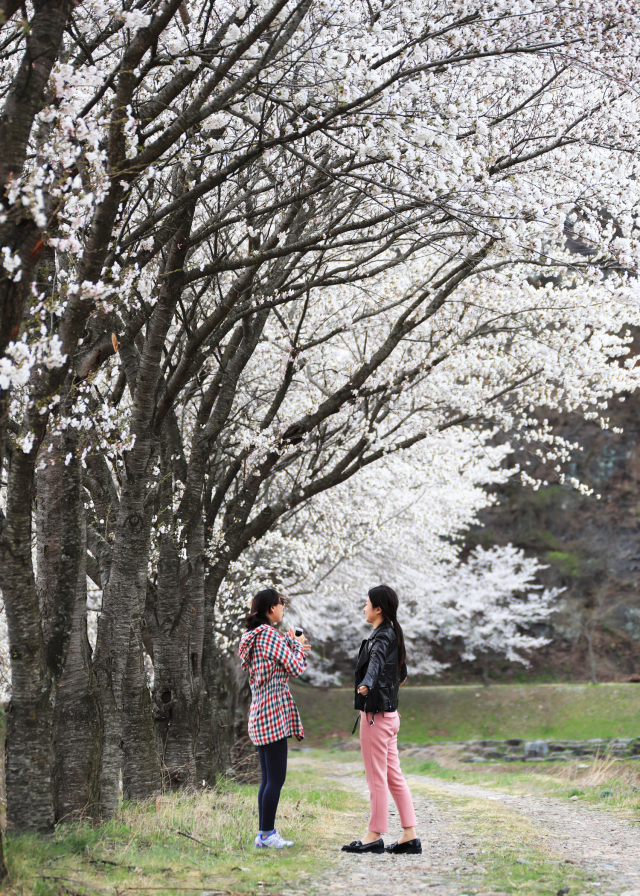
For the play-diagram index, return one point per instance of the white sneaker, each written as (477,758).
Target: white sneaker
(273,841)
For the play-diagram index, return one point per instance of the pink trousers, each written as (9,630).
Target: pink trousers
(379,744)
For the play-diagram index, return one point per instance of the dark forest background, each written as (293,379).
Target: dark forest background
(590,545)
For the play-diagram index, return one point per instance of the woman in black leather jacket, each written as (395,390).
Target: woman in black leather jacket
(380,670)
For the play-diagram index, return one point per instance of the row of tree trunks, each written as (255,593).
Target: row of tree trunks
(91,725)
(81,721)
(30,718)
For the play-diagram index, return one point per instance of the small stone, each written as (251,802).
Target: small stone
(534,749)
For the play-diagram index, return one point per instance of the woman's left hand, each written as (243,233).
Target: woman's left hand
(364,690)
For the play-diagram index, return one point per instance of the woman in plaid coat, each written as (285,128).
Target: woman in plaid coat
(271,657)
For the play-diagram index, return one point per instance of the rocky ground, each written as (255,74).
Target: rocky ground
(601,852)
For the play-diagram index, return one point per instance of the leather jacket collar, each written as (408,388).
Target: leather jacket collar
(365,646)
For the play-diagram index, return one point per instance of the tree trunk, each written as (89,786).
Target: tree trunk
(485,670)
(140,769)
(61,543)
(77,725)
(28,754)
(3,864)
(217,723)
(39,617)
(118,630)
(177,656)
(589,633)
(62,595)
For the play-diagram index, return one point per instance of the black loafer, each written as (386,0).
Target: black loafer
(358,846)
(408,848)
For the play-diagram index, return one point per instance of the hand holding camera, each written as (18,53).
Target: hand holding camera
(298,634)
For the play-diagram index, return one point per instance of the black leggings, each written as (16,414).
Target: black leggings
(273,762)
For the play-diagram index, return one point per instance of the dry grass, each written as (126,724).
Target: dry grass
(601,770)
(189,842)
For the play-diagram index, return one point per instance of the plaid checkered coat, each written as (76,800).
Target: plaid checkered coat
(270,658)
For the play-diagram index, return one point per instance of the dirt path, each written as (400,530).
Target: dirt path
(604,847)
(607,846)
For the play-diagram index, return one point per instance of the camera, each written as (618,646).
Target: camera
(298,631)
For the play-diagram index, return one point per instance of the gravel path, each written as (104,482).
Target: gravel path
(608,846)
(605,846)
(447,866)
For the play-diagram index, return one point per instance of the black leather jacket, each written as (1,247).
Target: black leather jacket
(377,668)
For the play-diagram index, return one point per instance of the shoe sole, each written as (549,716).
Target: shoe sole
(267,846)
(404,852)
(365,852)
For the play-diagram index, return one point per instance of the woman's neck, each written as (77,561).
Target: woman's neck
(378,621)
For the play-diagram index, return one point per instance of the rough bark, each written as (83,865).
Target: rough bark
(77,724)
(140,766)
(124,594)
(217,722)
(26,96)
(62,596)
(28,754)
(178,657)
(61,542)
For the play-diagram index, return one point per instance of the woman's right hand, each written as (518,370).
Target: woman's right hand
(306,647)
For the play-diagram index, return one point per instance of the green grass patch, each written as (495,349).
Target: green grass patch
(460,713)
(606,783)
(181,843)
(520,778)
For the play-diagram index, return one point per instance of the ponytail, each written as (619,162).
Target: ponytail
(386,599)
(260,606)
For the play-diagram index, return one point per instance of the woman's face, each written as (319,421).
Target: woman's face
(275,614)
(371,614)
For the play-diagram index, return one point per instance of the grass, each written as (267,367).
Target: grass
(181,843)
(607,783)
(460,713)
(203,842)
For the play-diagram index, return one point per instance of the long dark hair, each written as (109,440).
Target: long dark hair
(260,606)
(385,597)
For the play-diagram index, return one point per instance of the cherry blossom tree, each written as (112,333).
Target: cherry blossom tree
(253,251)
(402,524)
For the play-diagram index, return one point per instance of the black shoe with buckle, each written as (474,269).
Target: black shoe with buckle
(358,846)
(408,848)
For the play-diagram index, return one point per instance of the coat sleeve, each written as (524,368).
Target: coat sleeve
(284,650)
(376,662)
